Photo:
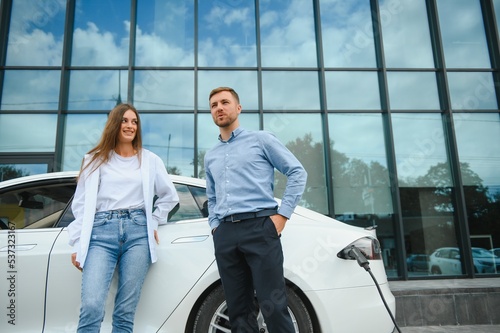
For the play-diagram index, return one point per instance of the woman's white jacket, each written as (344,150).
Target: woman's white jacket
(155,181)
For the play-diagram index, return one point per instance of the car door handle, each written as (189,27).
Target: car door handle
(190,239)
(21,247)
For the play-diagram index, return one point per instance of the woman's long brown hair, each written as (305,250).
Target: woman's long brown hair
(109,137)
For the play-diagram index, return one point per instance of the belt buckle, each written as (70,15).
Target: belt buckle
(233,220)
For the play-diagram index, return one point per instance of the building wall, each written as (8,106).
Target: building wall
(391,105)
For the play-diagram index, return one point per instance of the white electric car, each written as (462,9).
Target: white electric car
(328,290)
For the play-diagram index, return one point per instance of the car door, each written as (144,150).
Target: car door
(185,252)
(28,211)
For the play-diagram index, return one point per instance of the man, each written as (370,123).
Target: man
(245,219)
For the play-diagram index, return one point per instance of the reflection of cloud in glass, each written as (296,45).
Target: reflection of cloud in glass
(287,34)
(359,136)
(164,90)
(243,82)
(165,33)
(472,91)
(27,132)
(419,144)
(82,133)
(406,34)
(413,91)
(347,33)
(290,90)
(352,90)
(96,89)
(227,34)
(31,90)
(36,28)
(464,40)
(480,130)
(170,136)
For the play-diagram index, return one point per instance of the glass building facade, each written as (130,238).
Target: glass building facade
(392,106)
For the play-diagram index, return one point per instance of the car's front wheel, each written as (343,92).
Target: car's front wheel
(212,315)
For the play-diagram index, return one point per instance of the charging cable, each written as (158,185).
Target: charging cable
(355,253)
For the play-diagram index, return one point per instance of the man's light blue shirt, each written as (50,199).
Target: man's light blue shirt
(240,175)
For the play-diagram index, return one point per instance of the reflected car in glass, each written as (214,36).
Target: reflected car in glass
(182,292)
(446,260)
(417,262)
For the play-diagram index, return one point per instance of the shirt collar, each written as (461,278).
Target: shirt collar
(233,134)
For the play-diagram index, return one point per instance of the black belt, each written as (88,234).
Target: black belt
(246,216)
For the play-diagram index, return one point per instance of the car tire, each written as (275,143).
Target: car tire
(212,317)
(435,270)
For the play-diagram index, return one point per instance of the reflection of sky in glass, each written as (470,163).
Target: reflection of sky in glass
(359,136)
(243,82)
(81,133)
(463,36)
(472,91)
(290,90)
(352,90)
(496,4)
(27,132)
(164,90)
(413,91)
(419,144)
(406,34)
(165,33)
(226,33)
(96,90)
(287,33)
(170,136)
(36,28)
(475,130)
(101,33)
(347,33)
(31,90)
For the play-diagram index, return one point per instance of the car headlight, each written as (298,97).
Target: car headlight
(369,247)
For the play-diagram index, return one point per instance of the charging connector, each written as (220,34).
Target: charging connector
(355,253)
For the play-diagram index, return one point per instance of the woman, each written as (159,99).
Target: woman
(116,219)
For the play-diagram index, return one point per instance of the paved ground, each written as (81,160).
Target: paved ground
(452,329)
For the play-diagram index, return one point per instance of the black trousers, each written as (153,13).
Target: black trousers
(250,262)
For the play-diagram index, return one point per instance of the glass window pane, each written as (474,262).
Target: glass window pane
(243,82)
(407,42)
(96,90)
(170,136)
(306,143)
(226,34)
(361,181)
(31,90)
(81,133)
(426,190)
(352,91)
(464,40)
(287,34)
(164,90)
(472,91)
(496,4)
(165,33)
(208,133)
(27,132)
(101,33)
(290,91)
(36,33)
(16,170)
(413,91)
(477,140)
(347,33)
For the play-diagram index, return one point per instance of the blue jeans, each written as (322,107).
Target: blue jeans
(119,241)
